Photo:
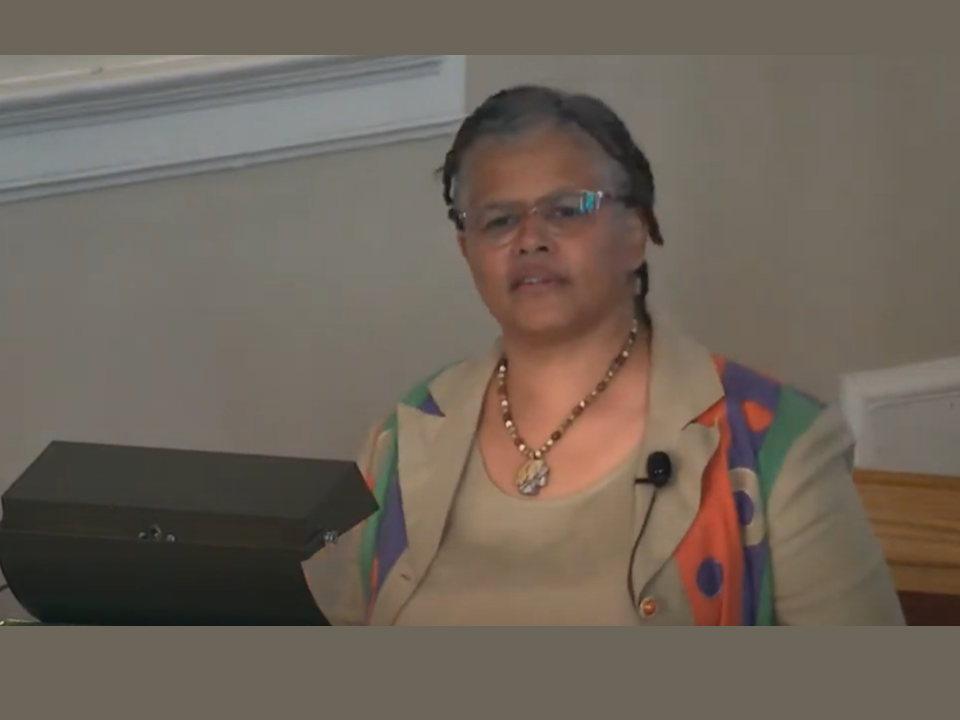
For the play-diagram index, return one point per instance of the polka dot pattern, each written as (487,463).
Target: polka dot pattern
(745,507)
(710,578)
(748,506)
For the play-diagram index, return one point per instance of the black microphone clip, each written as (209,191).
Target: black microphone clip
(659,470)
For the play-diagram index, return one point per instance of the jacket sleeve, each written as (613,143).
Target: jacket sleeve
(828,565)
(333,574)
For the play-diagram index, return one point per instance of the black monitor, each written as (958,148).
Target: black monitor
(113,535)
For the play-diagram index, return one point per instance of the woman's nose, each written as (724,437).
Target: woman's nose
(533,235)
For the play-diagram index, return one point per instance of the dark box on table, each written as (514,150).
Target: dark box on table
(114,535)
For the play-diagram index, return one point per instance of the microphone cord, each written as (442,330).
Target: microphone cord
(636,545)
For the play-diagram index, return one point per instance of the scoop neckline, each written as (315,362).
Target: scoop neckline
(573,498)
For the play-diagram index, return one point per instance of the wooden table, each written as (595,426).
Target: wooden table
(917,518)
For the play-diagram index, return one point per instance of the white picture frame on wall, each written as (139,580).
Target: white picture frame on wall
(73,123)
(906,418)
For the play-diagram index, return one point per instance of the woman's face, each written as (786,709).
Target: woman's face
(558,270)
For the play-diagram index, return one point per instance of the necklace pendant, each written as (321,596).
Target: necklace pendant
(533,477)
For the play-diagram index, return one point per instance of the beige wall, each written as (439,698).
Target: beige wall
(809,207)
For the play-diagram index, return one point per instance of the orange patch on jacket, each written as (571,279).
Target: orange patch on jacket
(710,557)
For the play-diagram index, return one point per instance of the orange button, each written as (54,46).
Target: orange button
(648,608)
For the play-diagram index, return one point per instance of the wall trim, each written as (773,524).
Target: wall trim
(215,112)
(863,393)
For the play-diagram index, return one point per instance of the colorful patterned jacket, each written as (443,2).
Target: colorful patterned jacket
(760,525)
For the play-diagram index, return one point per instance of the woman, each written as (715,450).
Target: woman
(597,466)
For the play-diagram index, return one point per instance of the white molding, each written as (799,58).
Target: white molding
(70,132)
(862,394)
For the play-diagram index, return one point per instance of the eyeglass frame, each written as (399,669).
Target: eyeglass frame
(458,217)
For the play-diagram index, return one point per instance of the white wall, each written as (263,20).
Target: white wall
(808,205)
(808,201)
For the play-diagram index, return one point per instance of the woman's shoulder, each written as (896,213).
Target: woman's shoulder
(828,566)
(761,412)
(446,390)
(775,408)
(783,433)
(451,385)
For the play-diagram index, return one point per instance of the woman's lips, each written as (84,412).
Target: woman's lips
(537,281)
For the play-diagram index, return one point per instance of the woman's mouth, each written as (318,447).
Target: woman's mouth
(535,283)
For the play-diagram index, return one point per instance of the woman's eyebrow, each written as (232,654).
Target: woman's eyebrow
(496,204)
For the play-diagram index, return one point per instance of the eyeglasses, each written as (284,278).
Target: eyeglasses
(564,213)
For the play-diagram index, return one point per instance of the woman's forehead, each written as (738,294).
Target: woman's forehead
(529,166)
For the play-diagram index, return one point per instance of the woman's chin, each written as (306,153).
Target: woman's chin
(542,325)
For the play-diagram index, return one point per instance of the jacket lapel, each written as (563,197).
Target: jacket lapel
(434,447)
(683,385)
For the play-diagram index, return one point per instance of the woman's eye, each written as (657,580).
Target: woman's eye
(499,222)
(562,212)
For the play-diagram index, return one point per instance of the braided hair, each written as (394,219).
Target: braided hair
(523,107)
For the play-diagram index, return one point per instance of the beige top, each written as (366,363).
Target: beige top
(513,561)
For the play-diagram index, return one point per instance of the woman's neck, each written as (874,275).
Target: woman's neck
(556,376)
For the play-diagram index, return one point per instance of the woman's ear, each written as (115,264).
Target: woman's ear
(636,239)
